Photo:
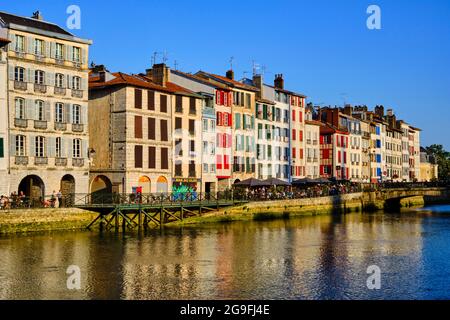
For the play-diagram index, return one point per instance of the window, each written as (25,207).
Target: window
(178,123)
(164,131)
(205,125)
(191,127)
(59,112)
(205,168)
(138,127)
(213,126)
(76,148)
(40,113)
(179,147)
(58,153)
(76,54)
(138,156)
(19,74)
(20,146)
(192,106)
(39,77)
(151,128)
(20,43)
(138,98)
(163,103)
(151,100)
(76,83)
(76,114)
(191,147)
(20,108)
(151,157)
(179,104)
(164,158)
(59,80)
(38,47)
(39,147)
(59,54)
(192,169)
(2,153)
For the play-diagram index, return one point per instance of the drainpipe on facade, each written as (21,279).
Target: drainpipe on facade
(289,144)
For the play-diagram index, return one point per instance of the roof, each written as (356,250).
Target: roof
(140,81)
(265,101)
(287,91)
(194,77)
(230,82)
(327,128)
(313,122)
(32,23)
(4,40)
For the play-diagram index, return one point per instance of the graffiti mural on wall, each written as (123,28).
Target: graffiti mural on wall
(182,191)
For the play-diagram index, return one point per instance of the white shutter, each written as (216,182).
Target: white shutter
(30,112)
(63,148)
(69,148)
(67,113)
(68,50)
(48,111)
(12,145)
(31,146)
(12,45)
(84,84)
(50,79)
(47,49)
(30,75)
(51,147)
(30,45)
(11,72)
(84,56)
(69,81)
(84,115)
(82,151)
(52,50)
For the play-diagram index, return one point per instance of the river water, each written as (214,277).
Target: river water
(322,257)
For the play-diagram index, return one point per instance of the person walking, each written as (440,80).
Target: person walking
(60,199)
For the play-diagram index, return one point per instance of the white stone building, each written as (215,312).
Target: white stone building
(47,107)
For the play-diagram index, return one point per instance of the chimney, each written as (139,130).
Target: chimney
(379,111)
(230,74)
(348,110)
(390,112)
(259,83)
(279,81)
(37,15)
(99,70)
(160,74)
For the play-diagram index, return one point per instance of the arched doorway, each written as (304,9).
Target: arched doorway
(67,190)
(162,185)
(145,184)
(33,188)
(101,189)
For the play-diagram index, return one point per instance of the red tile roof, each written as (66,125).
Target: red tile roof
(200,79)
(230,82)
(313,122)
(139,81)
(4,40)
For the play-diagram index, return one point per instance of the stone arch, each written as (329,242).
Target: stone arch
(162,185)
(33,187)
(67,190)
(146,184)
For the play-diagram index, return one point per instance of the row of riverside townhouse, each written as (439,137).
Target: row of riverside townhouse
(81,129)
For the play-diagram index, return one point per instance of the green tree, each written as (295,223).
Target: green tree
(442,158)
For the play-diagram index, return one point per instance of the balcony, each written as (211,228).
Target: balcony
(308,141)
(315,142)
(207,111)
(40,161)
(60,162)
(179,109)
(41,88)
(20,85)
(77,162)
(77,64)
(39,57)
(21,160)
(59,60)
(192,174)
(77,93)
(315,159)
(38,124)
(60,126)
(77,127)
(60,91)
(21,123)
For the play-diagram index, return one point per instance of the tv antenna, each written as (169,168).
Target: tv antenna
(231,62)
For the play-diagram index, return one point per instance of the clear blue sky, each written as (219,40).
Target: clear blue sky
(323,48)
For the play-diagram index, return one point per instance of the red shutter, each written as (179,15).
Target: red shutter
(219,162)
(224,140)
(301,135)
(338,141)
(226,162)
(321,139)
(339,156)
(293,115)
(222,98)
(293,153)
(217,97)
(230,99)
(300,116)
(230,121)
(294,133)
